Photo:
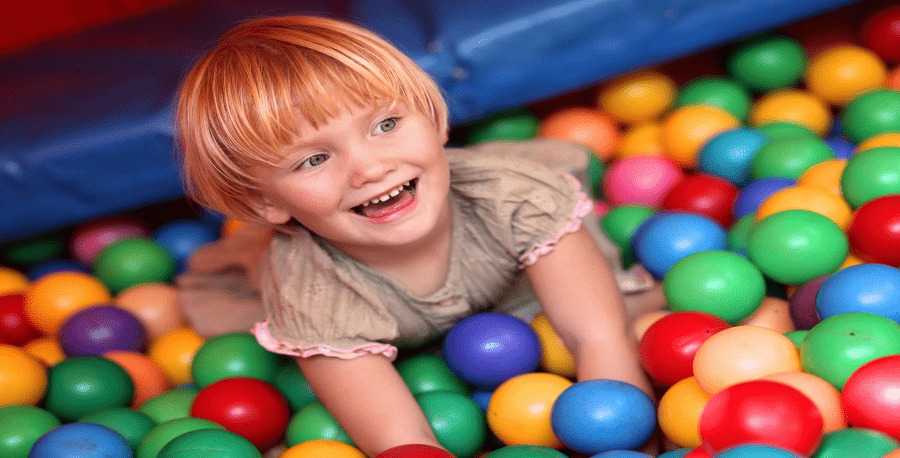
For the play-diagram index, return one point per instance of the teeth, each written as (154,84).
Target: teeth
(386,197)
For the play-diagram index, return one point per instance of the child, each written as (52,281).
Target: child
(384,239)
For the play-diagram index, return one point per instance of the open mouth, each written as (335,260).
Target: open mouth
(389,201)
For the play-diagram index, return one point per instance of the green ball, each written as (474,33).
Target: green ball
(855,443)
(457,421)
(781,129)
(595,173)
(163,433)
(795,246)
(130,424)
(235,354)
(797,336)
(427,372)
(516,124)
(871,173)
(314,422)
(175,403)
(133,261)
(739,232)
(620,223)
(81,386)
(789,156)
(872,113)
(525,451)
(838,345)
(716,282)
(767,62)
(209,443)
(293,386)
(717,91)
(35,249)
(20,428)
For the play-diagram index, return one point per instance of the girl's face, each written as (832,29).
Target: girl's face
(371,177)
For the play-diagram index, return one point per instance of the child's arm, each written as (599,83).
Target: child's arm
(369,399)
(580,297)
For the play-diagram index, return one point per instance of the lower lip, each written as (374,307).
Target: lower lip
(397,213)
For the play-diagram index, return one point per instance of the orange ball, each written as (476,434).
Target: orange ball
(792,106)
(679,412)
(155,305)
(894,454)
(773,313)
(555,357)
(825,175)
(842,72)
(876,141)
(823,394)
(174,352)
(643,322)
(46,349)
(643,139)
(687,129)
(893,78)
(23,379)
(742,353)
(12,281)
(814,199)
(637,97)
(590,127)
(519,409)
(322,448)
(852,260)
(149,380)
(53,298)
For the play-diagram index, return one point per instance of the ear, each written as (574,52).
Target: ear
(270,211)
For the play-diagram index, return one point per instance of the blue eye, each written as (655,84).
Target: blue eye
(387,125)
(314,160)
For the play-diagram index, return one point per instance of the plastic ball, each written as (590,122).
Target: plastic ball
(842,72)
(155,305)
(783,129)
(487,349)
(794,246)
(730,153)
(12,281)
(555,357)
(756,451)
(857,443)
(643,139)
(872,288)
(811,198)
(621,454)
(596,416)
(515,124)
(621,223)
(872,113)
(46,349)
(23,379)
(183,236)
(165,432)
(717,282)
(590,127)
(637,97)
(130,424)
(641,180)
(773,313)
(525,451)
(679,412)
(35,249)
(174,352)
(824,175)
(842,148)
(21,426)
(739,232)
(133,261)
(519,410)
(870,174)
(793,106)
(666,238)
(839,345)
(81,386)
(803,303)
(294,386)
(458,423)
(89,239)
(686,130)
(767,62)
(874,231)
(324,448)
(148,379)
(209,443)
(717,91)
(82,440)
(742,353)
(55,297)
(754,194)
(314,422)
(428,372)
(826,397)
(175,403)
(789,157)
(879,33)
(247,406)
(869,396)
(760,411)
(703,194)
(15,328)
(885,139)
(643,322)
(235,354)
(98,329)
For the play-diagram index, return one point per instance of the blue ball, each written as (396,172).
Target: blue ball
(872,288)
(621,454)
(755,193)
(482,398)
(488,349)
(597,416)
(730,153)
(181,237)
(756,451)
(665,238)
(842,148)
(81,440)
(54,265)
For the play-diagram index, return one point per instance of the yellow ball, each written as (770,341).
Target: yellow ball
(23,379)
(53,298)
(679,412)
(519,409)
(637,97)
(886,139)
(555,357)
(825,175)
(174,352)
(792,106)
(687,129)
(842,72)
(322,448)
(46,349)
(643,139)
(814,199)
(12,281)
(852,260)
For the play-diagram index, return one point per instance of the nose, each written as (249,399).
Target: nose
(371,165)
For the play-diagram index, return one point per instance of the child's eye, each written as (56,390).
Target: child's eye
(386,126)
(313,161)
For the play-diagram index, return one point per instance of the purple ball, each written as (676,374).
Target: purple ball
(100,329)
(803,304)
(754,194)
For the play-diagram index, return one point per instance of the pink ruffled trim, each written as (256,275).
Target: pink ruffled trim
(264,337)
(582,207)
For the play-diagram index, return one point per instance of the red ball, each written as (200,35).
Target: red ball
(703,194)
(246,406)
(881,33)
(870,396)
(15,328)
(414,451)
(668,346)
(874,231)
(762,412)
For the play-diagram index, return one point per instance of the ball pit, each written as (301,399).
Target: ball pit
(52,299)
(717,91)
(686,129)
(314,422)
(793,106)
(767,62)
(519,410)
(21,426)
(665,238)
(129,423)
(874,231)
(99,329)
(165,432)
(590,127)
(637,97)
(457,421)
(155,305)
(730,153)
(871,174)
(85,385)
(842,72)
(703,194)
(133,261)
(90,238)
(235,354)
(679,410)
(23,379)
(15,328)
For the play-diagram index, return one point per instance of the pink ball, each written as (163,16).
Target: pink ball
(89,239)
(641,180)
